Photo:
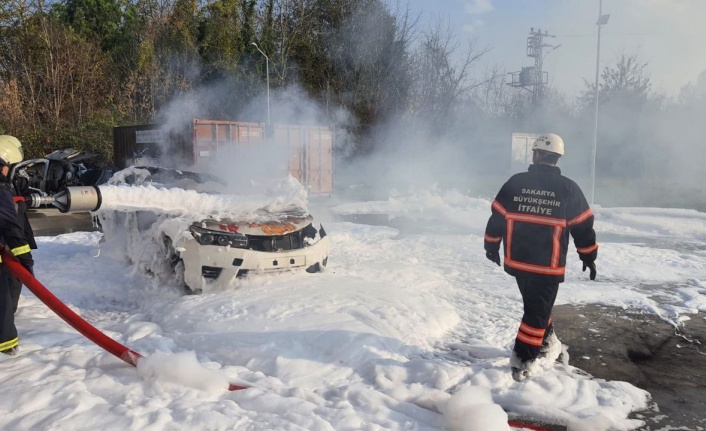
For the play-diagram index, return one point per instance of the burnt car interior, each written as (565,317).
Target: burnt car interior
(57,170)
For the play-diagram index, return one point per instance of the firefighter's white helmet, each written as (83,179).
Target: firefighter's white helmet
(10,150)
(549,142)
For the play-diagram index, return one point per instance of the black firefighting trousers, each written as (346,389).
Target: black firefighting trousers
(538,297)
(15,292)
(8,331)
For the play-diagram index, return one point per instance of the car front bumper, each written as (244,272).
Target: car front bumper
(214,267)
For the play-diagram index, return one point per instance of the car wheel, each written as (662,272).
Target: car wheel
(180,281)
(317,267)
(177,265)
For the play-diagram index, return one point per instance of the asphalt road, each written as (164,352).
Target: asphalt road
(613,343)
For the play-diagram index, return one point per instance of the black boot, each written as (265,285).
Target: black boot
(11,351)
(521,369)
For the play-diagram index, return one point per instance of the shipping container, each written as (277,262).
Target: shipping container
(305,151)
(310,155)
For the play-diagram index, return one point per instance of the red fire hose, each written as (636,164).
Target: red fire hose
(533,426)
(73,319)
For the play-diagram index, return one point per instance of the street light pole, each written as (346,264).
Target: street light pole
(602,20)
(267,77)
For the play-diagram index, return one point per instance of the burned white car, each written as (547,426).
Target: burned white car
(145,213)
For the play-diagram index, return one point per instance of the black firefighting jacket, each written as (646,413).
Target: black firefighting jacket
(11,233)
(19,190)
(532,215)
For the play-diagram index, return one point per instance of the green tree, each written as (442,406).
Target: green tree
(175,53)
(100,20)
(249,34)
(220,41)
(350,54)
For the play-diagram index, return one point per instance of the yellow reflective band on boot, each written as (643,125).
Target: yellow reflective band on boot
(23,249)
(7,345)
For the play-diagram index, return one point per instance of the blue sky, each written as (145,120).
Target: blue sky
(667,34)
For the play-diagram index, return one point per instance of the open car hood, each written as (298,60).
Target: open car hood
(279,225)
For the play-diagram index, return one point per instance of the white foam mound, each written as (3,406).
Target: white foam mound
(472,409)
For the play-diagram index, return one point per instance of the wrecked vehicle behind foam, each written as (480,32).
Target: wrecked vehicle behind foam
(209,252)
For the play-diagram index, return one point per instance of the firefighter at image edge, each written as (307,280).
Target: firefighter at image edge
(20,190)
(13,236)
(532,216)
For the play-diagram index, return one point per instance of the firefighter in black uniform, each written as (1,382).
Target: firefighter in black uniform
(20,189)
(13,237)
(532,216)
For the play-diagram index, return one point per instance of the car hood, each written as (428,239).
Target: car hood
(280,224)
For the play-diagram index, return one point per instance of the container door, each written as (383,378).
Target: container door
(293,140)
(249,137)
(326,162)
(319,161)
(313,161)
(205,142)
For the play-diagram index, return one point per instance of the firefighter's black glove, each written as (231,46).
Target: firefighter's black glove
(27,261)
(592,266)
(21,185)
(493,256)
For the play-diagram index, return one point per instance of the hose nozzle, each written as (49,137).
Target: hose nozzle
(70,199)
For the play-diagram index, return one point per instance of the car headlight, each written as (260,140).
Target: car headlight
(213,237)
